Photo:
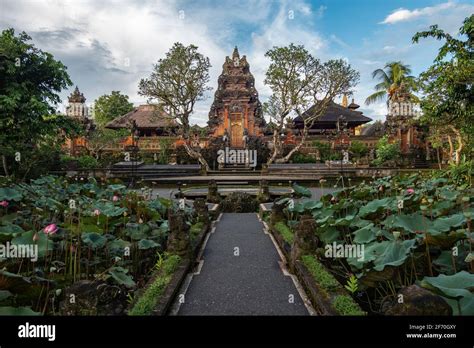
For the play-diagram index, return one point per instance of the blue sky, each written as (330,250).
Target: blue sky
(110,45)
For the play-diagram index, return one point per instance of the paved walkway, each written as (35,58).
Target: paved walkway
(249,284)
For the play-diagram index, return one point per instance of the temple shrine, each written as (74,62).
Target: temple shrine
(236,113)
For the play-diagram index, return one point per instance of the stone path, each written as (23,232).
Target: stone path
(251,283)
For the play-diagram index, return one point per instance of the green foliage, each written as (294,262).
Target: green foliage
(358,149)
(285,232)
(394,78)
(386,151)
(30,83)
(447,100)
(301,191)
(345,305)
(352,285)
(324,150)
(109,106)
(302,158)
(87,162)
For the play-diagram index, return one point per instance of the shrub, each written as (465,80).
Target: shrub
(358,149)
(302,158)
(324,150)
(87,162)
(386,151)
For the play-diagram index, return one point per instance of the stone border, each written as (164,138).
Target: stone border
(166,299)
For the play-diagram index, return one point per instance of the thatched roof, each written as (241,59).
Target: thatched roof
(146,117)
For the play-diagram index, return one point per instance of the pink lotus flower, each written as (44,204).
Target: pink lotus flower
(115,198)
(410,191)
(97,212)
(4,204)
(51,229)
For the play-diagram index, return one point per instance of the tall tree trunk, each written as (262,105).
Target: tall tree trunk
(460,144)
(196,155)
(438,157)
(4,163)
(451,149)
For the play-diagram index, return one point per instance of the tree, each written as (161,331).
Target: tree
(447,87)
(30,81)
(107,107)
(394,78)
(298,80)
(177,82)
(102,137)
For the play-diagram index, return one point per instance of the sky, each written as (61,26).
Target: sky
(110,45)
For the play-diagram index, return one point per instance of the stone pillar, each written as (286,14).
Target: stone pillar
(213,194)
(201,210)
(305,240)
(178,239)
(264,192)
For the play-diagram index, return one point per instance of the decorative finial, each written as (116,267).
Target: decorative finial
(344,101)
(235,54)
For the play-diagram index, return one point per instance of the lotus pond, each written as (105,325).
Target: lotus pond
(82,231)
(413,230)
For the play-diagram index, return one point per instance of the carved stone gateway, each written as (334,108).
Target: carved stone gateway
(236,113)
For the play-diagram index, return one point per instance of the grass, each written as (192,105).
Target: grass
(196,229)
(345,305)
(148,301)
(285,232)
(319,273)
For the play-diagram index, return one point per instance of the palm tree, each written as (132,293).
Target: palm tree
(394,78)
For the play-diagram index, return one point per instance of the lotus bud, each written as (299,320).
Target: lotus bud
(410,191)
(51,229)
(396,234)
(97,212)
(140,221)
(36,237)
(115,198)
(4,204)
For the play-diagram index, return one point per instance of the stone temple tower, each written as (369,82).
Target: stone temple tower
(401,125)
(236,112)
(77,107)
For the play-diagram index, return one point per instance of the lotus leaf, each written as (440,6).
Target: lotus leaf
(10,194)
(145,244)
(453,286)
(94,240)
(301,191)
(119,274)
(16,311)
(43,243)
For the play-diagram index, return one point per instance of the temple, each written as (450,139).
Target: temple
(236,112)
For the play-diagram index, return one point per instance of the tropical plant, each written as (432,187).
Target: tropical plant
(394,79)
(386,151)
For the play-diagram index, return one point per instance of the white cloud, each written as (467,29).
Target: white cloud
(403,15)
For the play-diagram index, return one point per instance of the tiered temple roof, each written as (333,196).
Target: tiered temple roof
(329,119)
